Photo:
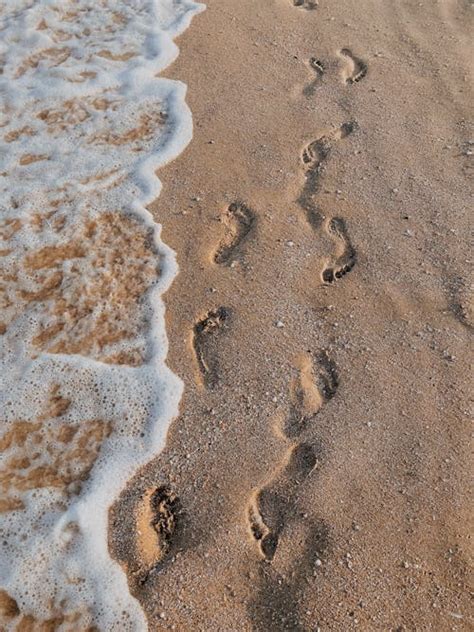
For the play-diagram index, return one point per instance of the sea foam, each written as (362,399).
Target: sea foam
(86,397)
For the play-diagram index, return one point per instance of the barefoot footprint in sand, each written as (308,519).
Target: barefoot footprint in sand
(346,256)
(355,68)
(157,523)
(310,390)
(272,506)
(205,339)
(239,221)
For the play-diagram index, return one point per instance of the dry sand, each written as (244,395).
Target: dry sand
(317,477)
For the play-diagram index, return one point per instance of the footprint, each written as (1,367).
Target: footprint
(328,378)
(157,520)
(266,536)
(313,158)
(346,256)
(356,69)
(309,5)
(204,342)
(305,396)
(259,529)
(316,152)
(316,383)
(273,506)
(239,220)
(344,130)
(318,68)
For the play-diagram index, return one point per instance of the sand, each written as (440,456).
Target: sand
(317,476)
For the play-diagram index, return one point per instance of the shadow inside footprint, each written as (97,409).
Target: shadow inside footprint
(309,5)
(277,603)
(205,341)
(318,68)
(356,68)
(158,530)
(273,508)
(296,422)
(346,257)
(239,220)
(302,462)
(328,378)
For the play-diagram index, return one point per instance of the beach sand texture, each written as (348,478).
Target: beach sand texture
(317,474)
(320,321)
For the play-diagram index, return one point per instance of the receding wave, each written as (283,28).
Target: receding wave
(86,397)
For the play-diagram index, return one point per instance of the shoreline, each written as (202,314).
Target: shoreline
(86,396)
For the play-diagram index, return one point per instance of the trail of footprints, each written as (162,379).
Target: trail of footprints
(239,222)
(272,506)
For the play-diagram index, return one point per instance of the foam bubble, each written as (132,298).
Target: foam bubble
(86,397)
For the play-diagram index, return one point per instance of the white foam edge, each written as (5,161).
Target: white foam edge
(102,488)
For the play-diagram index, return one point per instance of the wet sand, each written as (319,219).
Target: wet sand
(317,476)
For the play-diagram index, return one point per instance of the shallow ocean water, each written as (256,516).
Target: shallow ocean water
(85,395)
